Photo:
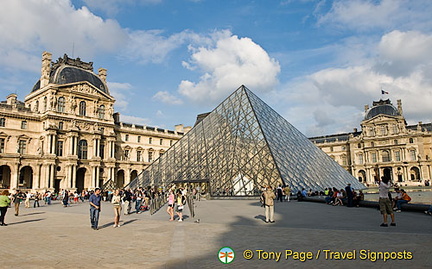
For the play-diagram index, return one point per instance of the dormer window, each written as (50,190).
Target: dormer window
(82,108)
(61,104)
(101,111)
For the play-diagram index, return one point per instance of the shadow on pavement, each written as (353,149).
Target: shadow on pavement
(24,221)
(34,213)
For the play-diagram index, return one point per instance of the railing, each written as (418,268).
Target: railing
(156,204)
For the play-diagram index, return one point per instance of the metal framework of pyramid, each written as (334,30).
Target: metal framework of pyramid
(242,145)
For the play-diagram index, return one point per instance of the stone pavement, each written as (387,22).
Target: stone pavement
(57,237)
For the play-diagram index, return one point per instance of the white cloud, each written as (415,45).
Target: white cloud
(227,63)
(402,65)
(151,46)
(112,7)
(402,53)
(134,120)
(167,98)
(32,26)
(119,91)
(365,15)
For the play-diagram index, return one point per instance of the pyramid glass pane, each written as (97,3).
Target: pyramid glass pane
(242,145)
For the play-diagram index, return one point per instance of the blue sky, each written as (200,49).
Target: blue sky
(316,62)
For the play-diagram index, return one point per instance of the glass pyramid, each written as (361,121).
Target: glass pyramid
(242,145)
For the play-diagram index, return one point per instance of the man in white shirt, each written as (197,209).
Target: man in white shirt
(385,203)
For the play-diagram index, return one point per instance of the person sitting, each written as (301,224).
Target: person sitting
(405,199)
(339,197)
(304,193)
(359,196)
(395,199)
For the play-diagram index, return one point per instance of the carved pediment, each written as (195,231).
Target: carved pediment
(84,88)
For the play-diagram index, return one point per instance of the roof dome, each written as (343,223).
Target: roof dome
(71,74)
(383,107)
(67,70)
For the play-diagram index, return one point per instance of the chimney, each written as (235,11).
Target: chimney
(46,69)
(11,99)
(102,74)
(399,106)
(179,128)
(116,117)
(366,107)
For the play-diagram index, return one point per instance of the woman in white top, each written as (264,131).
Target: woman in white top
(116,201)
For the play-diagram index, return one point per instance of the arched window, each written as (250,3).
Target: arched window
(82,149)
(344,160)
(386,156)
(412,154)
(397,155)
(82,108)
(360,158)
(2,122)
(61,104)
(102,112)
(36,106)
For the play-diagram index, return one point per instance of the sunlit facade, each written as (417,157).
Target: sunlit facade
(385,146)
(65,135)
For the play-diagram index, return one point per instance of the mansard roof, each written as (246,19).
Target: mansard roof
(66,70)
(382,107)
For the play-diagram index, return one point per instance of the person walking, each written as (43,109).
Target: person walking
(287,191)
(181,200)
(170,208)
(95,208)
(17,197)
(116,201)
(28,195)
(4,204)
(385,203)
(279,193)
(138,201)
(127,199)
(36,200)
(350,195)
(65,198)
(269,197)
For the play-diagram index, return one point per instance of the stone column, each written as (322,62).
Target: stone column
(52,173)
(36,178)
(73,176)
(97,172)
(14,177)
(96,142)
(47,176)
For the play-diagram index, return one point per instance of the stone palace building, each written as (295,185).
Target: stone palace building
(386,146)
(65,135)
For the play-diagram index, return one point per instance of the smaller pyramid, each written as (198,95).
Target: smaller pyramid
(242,145)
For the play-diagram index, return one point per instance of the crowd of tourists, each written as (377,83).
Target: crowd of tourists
(347,196)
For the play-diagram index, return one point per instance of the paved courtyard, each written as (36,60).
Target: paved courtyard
(305,235)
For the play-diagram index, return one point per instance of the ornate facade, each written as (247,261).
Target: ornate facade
(65,135)
(386,146)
